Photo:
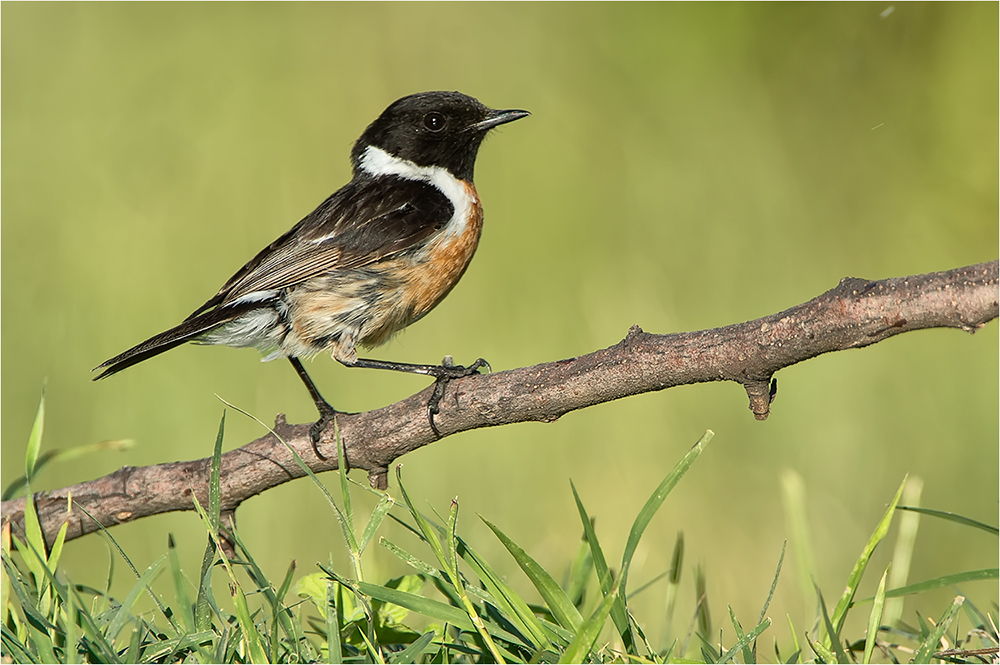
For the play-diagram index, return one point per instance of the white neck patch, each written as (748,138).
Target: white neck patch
(378,162)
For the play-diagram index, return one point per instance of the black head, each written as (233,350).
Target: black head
(434,129)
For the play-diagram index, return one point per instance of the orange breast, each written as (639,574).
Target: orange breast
(431,278)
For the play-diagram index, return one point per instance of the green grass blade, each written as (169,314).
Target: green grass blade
(44,561)
(416,649)
(74,452)
(180,587)
(162,652)
(378,514)
(902,552)
(16,486)
(458,594)
(56,552)
(655,501)
(314,588)
(642,521)
(426,606)
(701,592)
(428,532)
(14,648)
(589,631)
(5,546)
(345,488)
(456,581)
(277,607)
(34,441)
(286,583)
(215,480)
(642,638)
(978,619)
(122,616)
(648,585)
(744,641)
(373,651)
(506,598)
(347,516)
(35,542)
(70,636)
(440,577)
(924,628)
(604,576)
(452,551)
(203,610)
(250,632)
(23,593)
(669,652)
(770,593)
(875,618)
(558,602)
(579,572)
(104,596)
(34,538)
(793,499)
(250,636)
(275,600)
(597,554)
(844,604)
(832,633)
(334,648)
(795,637)
(794,658)
(938,582)
(105,651)
(40,606)
(42,644)
(132,654)
(774,582)
(825,655)
(418,564)
(128,562)
(345,525)
(63,455)
(930,643)
(449,562)
(673,583)
(952,517)
(748,656)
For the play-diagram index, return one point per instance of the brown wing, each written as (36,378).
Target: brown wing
(363,222)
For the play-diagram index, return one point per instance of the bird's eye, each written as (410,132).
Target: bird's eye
(435,121)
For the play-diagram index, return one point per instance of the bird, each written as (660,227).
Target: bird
(376,256)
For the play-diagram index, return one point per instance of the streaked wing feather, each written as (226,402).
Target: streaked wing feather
(363,222)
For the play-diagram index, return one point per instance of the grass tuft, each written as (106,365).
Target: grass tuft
(480,617)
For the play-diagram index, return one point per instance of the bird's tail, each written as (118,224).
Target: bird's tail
(187,331)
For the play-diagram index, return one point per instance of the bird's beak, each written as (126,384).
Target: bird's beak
(495,118)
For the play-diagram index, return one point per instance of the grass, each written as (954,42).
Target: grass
(452,608)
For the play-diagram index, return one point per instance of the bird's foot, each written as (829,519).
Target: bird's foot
(443,374)
(326,415)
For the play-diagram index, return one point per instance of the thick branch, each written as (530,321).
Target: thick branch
(855,314)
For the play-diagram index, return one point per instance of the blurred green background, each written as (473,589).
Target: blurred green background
(685,167)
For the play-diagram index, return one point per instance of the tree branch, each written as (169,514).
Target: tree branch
(855,314)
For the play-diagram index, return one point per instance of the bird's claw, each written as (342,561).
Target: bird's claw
(326,414)
(448,371)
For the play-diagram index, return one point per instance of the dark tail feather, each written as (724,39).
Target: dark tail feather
(185,332)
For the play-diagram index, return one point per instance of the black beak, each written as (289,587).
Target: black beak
(495,118)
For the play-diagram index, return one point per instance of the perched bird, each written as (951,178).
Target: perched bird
(374,257)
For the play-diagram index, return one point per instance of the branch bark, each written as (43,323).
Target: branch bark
(855,314)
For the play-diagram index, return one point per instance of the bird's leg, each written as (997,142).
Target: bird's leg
(442,374)
(326,412)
